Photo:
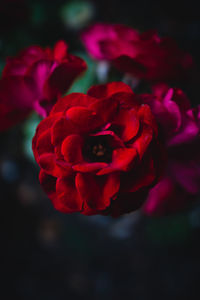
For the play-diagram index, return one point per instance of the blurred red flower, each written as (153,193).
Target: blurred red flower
(36,77)
(98,153)
(146,56)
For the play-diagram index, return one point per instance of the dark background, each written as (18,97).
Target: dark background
(47,255)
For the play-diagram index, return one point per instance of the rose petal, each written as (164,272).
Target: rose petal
(18,91)
(187,174)
(97,191)
(60,50)
(18,65)
(173,110)
(47,123)
(92,36)
(188,132)
(54,167)
(145,176)
(68,197)
(85,119)
(164,198)
(43,126)
(71,100)
(106,90)
(128,121)
(181,100)
(48,183)
(71,149)
(43,143)
(126,100)
(147,117)
(63,76)
(61,129)
(106,108)
(40,71)
(142,142)
(122,160)
(89,167)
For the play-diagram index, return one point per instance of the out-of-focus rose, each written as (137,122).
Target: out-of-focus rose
(10,116)
(180,127)
(146,56)
(99,152)
(37,77)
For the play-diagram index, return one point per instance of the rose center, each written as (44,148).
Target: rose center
(97,149)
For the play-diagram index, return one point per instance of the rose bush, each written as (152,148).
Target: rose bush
(180,127)
(36,78)
(146,56)
(98,153)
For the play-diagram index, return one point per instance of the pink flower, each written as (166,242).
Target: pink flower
(36,77)
(178,121)
(180,127)
(107,42)
(145,55)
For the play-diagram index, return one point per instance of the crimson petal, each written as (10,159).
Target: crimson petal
(68,197)
(147,117)
(60,50)
(48,183)
(142,142)
(60,130)
(43,144)
(85,119)
(40,71)
(106,90)
(63,76)
(89,167)
(122,160)
(53,167)
(97,191)
(74,99)
(106,108)
(128,120)
(71,149)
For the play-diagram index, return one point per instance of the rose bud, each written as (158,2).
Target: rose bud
(99,153)
(143,55)
(34,79)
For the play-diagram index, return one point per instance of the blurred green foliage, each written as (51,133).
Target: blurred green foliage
(173,230)
(77,14)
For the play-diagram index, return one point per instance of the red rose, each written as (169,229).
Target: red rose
(99,152)
(37,77)
(146,56)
